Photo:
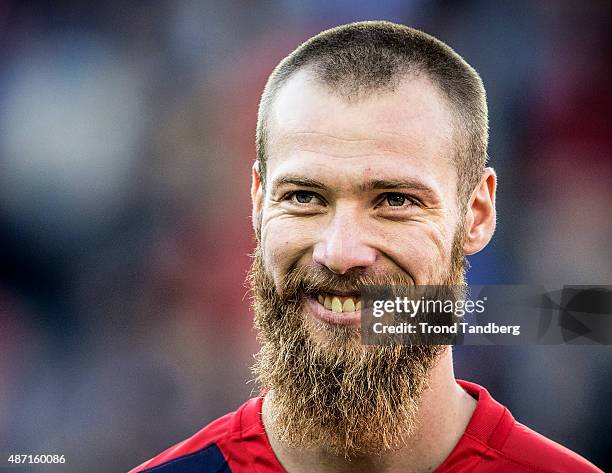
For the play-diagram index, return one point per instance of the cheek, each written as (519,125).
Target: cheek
(422,250)
(286,240)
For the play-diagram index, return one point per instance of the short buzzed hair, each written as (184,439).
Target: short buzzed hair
(357,59)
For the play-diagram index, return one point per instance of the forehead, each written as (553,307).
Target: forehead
(408,130)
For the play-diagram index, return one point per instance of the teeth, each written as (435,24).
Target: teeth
(339,304)
(336,305)
(348,306)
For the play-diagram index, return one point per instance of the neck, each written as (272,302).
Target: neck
(444,412)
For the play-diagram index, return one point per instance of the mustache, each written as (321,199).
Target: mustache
(313,280)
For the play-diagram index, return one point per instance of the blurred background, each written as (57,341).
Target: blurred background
(126,141)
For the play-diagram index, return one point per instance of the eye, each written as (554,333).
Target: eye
(303,197)
(394,199)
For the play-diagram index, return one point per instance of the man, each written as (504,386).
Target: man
(371,154)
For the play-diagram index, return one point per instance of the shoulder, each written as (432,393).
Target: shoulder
(206,450)
(527,448)
(499,443)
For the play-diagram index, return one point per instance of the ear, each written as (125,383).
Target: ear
(256,195)
(480,218)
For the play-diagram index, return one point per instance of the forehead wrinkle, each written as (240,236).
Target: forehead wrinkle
(340,156)
(344,147)
(328,135)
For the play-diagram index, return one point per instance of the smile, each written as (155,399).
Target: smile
(335,309)
(339,304)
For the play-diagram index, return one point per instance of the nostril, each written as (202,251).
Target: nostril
(341,262)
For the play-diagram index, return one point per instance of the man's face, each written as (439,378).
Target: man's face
(357,192)
(379,183)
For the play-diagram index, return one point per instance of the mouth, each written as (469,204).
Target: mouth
(336,309)
(339,304)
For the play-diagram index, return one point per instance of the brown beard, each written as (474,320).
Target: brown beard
(328,390)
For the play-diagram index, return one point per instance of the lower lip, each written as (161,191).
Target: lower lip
(352,319)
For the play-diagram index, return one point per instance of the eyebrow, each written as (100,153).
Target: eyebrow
(395,184)
(297,181)
(375,184)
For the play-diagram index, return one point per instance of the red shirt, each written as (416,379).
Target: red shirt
(492,442)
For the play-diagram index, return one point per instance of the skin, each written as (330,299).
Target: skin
(370,184)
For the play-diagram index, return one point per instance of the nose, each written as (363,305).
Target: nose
(342,245)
